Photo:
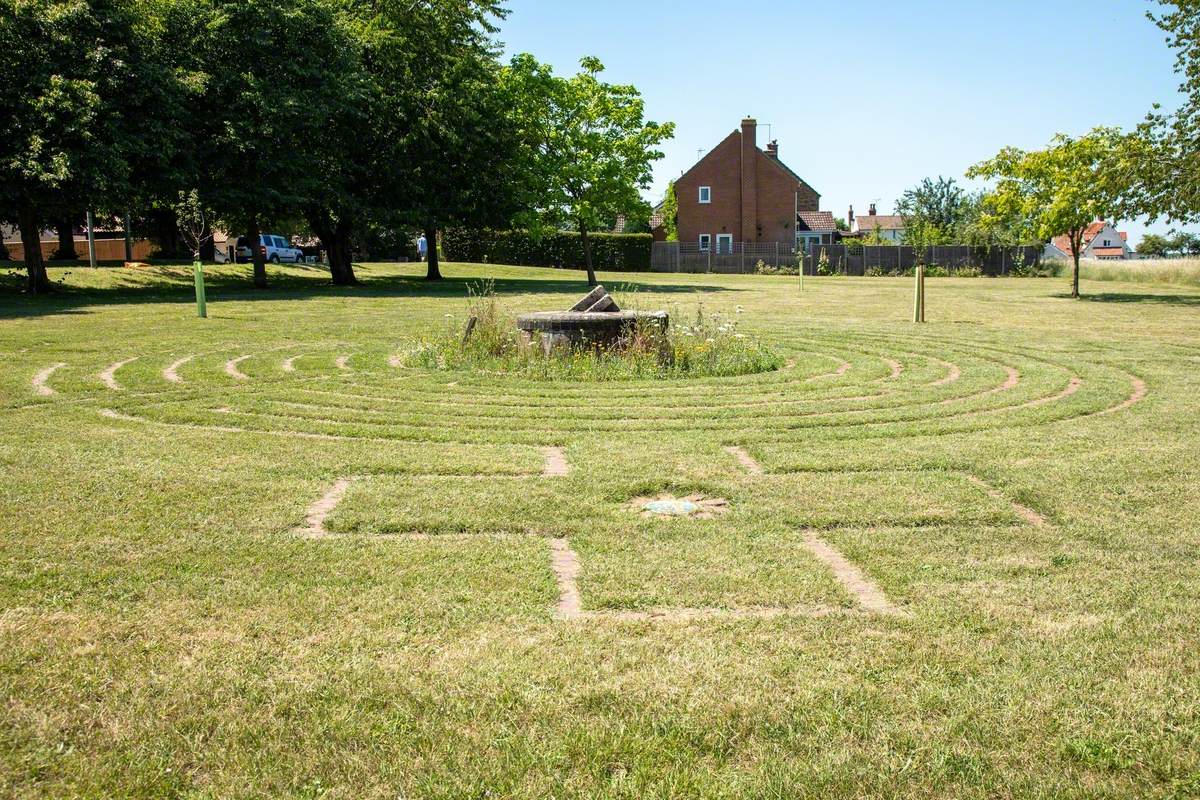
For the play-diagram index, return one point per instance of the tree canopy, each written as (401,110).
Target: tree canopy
(344,119)
(587,143)
(1060,189)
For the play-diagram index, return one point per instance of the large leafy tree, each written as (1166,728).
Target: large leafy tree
(670,213)
(933,211)
(588,144)
(458,161)
(81,114)
(270,77)
(1061,189)
(1161,161)
(1153,244)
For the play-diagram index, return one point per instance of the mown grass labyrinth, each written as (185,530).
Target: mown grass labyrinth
(957,551)
(838,385)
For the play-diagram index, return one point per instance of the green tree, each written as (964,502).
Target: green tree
(1152,244)
(933,210)
(77,113)
(588,145)
(1061,189)
(268,77)
(1160,162)
(986,224)
(670,213)
(460,162)
(1186,244)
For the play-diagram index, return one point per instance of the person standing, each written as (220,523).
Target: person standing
(422,247)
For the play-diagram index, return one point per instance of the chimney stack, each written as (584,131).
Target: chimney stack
(871,210)
(749,165)
(773,149)
(850,217)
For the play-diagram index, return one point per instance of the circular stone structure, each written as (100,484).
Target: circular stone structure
(570,328)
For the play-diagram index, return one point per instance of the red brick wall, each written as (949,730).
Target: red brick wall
(774,207)
(721,169)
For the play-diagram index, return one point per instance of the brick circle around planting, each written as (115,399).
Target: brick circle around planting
(579,327)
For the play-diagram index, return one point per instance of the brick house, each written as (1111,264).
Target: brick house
(739,193)
(1100,241)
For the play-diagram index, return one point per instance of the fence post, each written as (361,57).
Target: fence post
(710,257)
(91,240)
(743,257)
(128,237)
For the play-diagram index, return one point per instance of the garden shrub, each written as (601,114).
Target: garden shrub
(615,252)
(763,268)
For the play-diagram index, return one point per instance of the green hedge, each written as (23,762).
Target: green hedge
(614,252)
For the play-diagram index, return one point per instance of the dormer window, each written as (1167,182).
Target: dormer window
(705,194)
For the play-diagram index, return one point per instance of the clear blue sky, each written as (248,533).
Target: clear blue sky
(865,98)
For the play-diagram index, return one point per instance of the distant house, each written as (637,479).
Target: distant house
(1101,241)
(889,227)
(815,228)
(658,228)
(738,193)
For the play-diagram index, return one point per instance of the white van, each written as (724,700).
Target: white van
(275,249)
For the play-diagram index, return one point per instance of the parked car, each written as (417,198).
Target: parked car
(274,248)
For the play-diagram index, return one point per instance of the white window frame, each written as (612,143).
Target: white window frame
(728,237)
(704,196)
(705,242)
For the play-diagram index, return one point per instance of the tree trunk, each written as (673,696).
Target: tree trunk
(587,255)
(1075,245)
(341,259)
(66,240)
(432,273)
(335,238)
(254,236)
(31,239)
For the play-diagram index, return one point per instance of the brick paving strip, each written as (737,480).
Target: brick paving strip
(564,562)
(1138,393)
(565,565)
(39,380)
(319,511)
(109,376)
(171,373)
(746,460)
(1024,512)
(556,462)
(231,368)
(870,597)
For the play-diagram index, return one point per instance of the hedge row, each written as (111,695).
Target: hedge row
(616,252)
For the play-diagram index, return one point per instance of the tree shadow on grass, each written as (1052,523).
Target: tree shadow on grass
(1127,297)
(173,283)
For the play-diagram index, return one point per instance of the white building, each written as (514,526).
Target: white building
(888,227)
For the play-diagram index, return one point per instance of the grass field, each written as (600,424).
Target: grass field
(1177,271)
(250,557)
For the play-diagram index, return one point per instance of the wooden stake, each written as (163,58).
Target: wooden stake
(201,305)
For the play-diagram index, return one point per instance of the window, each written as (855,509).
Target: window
(725,243)
(705,242)
(1108,242)
(280,241)
(705,194)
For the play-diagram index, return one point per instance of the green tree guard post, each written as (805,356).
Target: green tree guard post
(201,308)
